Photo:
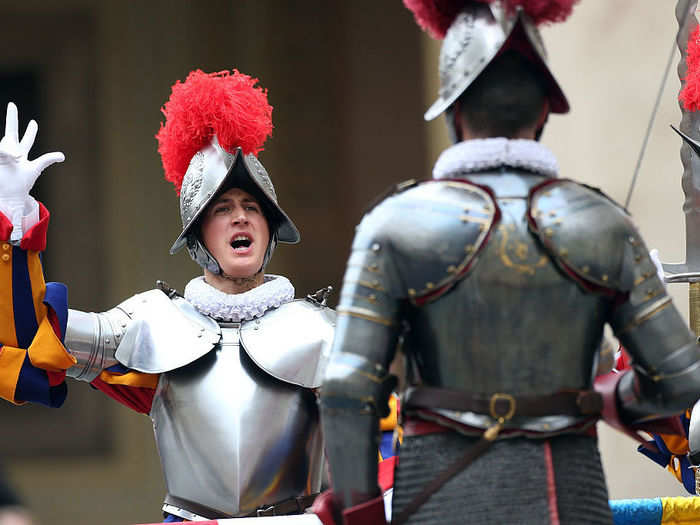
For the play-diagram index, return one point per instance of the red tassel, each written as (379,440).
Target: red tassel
(228,105)
(690,94)
(436,16)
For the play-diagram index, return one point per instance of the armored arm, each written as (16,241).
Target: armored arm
(357,385)
(666,358)
(93,338)
(149,333)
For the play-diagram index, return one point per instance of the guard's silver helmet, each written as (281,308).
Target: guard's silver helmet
(212,170)
(479,33)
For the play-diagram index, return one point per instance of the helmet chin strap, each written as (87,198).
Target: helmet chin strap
(203,257)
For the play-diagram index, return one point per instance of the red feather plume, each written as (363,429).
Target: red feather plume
(226,104)
(436,16)
(690,94)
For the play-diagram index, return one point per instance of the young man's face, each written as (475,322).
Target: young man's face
(236,233)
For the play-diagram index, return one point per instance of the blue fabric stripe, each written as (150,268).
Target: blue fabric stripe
(118,369)
(33,384)
(57,298)
(386,445)
(637,511)
(25,316)
(169,518)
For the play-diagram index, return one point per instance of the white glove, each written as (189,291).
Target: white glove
(654,256)
(18,174)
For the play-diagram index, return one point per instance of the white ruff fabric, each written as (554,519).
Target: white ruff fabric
(483,154)
(276,290)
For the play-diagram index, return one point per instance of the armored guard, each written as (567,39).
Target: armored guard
(496,279)
(227,372)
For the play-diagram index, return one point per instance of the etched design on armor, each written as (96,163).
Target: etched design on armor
(517,254)
(192,183)
(465,23)
(260,175)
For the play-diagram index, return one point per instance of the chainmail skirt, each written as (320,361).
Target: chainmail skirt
(506,485)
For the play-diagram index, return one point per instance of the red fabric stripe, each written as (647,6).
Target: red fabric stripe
(137,398)
(56,378)
(385,473)
(35,238)
(551,486)
(5,228)
(53,321)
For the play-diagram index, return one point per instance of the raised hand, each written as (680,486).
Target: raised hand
(17,173)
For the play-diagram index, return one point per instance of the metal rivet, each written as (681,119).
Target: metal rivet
(605,277)
(5,257)
(451,268)
(411,291)
(123,324)
(429,285)
(586,269)
(374,266)
(469,248)
(376,247)
(199,334)
(464,218)
(487,209)
(637,258)
(372,298)
(563,252)
(5,246)
(106,341)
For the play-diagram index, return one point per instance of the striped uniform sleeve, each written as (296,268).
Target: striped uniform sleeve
(126,386)
(33,319)
(33,316)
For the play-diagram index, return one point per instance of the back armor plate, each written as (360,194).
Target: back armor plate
(514,287)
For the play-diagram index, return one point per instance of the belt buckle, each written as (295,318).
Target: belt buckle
(267,511)
(495,398)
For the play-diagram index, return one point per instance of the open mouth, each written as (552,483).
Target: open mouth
(241,242)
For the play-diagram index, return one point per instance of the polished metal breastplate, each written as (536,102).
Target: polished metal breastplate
(231,437)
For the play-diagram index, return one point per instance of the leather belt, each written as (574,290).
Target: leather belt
(286,507)
(505,406)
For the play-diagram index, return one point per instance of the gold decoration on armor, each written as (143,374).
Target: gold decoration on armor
(517,254)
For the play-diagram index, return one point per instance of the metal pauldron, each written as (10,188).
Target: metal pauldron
(92,338)
(355,384)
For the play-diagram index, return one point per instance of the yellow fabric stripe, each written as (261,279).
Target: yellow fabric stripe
(11,360)
(47,352)
(677,445)
(8,335)
(136,379)
(36,277)
(680,511)
(390,421)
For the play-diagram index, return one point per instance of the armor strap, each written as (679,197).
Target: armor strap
(505,406)
(286,507)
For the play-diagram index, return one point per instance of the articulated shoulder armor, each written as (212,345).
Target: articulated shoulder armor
(164,334)
(454,219)
(292,342)
(562,214)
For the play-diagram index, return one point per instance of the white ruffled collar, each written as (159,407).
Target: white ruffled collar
(274,291)
(482,154)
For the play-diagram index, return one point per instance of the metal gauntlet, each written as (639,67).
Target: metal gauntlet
(93,339)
